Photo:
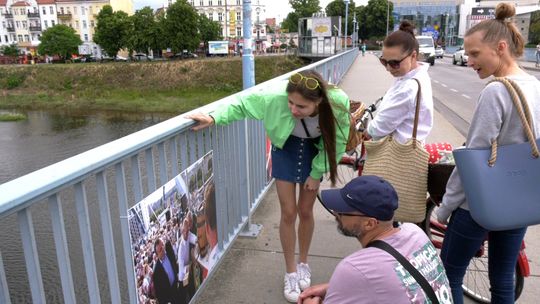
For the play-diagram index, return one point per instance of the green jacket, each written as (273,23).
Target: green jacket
(271,106)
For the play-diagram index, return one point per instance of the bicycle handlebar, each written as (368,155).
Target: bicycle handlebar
(368,114)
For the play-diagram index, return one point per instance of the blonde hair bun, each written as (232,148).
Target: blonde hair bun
(504,10)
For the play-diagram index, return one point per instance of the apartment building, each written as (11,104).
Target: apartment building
(23,21)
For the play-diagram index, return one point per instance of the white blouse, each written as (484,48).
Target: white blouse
(395,113)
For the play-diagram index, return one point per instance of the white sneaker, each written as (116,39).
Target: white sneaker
(304,275)
(291,290)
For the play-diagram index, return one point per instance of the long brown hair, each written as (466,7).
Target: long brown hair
(327,122)
(501,28)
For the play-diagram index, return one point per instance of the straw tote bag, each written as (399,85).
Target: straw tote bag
(405,166)
(502,183)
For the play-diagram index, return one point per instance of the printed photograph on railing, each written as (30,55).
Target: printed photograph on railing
(174,236)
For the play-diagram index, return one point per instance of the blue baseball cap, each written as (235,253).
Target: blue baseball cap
(369,194)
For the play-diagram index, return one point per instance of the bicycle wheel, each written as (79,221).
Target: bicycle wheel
(476,281)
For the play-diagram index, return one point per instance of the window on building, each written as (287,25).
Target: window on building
(39,37)
(68,10)
(51,10)
(23,12)
(192,2)
(26,38)
(238,32)
(84,24)
(209,2)
(6,38)
(82,10)
(85,37)
(522,29)
(46,23)
(75,10)
(53,23)
(15,12)
(62,10)
(33,37)
(3,24)
(211,16)
(220,16)
(522,21)
(18,24)
(238,16)
(19,38)
(44,10)
(219,3)
(1,10)
(238,2)
(77,24)
(90,10)
(91,23)
(24,24)
(201,3)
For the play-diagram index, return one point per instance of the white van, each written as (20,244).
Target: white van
(427,49)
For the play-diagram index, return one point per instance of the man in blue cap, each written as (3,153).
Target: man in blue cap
(364,209)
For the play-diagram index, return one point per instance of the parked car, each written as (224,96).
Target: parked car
(184,55)
(427,49)
(460,57)
(142,57)
(439,52)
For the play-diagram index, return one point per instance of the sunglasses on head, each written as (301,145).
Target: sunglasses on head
(309,82)
(394,64)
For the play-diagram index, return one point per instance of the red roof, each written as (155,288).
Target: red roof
(21,3)
(3,2)
(45,1)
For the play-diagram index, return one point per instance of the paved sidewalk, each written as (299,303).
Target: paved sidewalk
(252,270)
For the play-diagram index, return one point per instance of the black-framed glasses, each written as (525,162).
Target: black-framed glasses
(310,82)
(394,64)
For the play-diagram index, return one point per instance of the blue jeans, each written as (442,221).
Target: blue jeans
(462,240)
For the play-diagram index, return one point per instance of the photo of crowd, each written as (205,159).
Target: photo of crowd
(174,236)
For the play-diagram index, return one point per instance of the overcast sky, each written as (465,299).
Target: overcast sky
(274,8)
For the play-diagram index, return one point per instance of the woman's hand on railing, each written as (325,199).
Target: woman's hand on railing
(204,121)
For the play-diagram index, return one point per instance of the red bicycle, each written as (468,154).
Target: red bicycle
(476,281)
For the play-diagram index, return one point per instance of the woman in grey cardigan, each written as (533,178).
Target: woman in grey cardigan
(492,46)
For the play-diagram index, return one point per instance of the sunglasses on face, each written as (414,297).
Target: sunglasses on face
(394,64)
(339,214)
(309,82)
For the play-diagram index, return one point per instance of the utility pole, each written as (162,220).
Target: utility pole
(346,19)
(387,15)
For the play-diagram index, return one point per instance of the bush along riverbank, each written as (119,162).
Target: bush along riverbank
(12,116)
(164,86)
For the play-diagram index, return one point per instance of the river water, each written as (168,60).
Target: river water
(43,139)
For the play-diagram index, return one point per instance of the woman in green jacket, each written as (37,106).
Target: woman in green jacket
(307,122)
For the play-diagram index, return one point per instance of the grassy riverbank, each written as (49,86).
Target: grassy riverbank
(168,86)
(12,116)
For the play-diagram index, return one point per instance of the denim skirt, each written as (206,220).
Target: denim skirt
(292,163)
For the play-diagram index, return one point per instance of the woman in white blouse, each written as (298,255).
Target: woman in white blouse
(395,114)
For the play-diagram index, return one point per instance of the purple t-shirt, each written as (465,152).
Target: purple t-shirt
(372,275)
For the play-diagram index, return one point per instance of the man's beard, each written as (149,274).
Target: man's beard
(350,233)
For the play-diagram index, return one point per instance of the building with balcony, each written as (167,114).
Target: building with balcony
(23,21)
(229,14)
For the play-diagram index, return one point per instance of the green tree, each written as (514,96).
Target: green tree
(374,18)
(59,40)
(291,22)
(143,31)
(337,8)
(10,50)
(210,30)
(305,8)
(113,30)
(180,27)
(534,29)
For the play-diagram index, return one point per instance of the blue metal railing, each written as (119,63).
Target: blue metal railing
(122,173)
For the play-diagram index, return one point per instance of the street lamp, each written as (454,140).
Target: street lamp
(346,19)
(387,15)
(355,25)
(258,9)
